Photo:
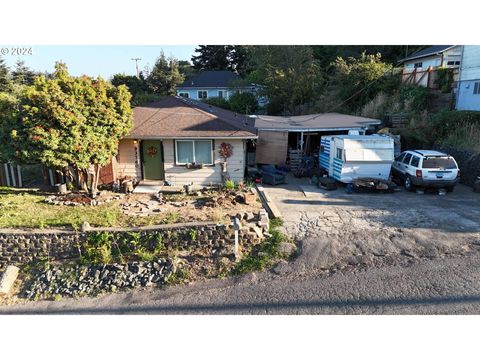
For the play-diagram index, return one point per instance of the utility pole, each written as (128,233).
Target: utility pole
(136,65)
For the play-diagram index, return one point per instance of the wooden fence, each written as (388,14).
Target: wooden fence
(425,77)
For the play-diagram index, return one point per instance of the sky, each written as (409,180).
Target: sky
(95,60)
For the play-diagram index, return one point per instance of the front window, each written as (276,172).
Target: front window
(418,65)
(184,94)
(193,151)
(202,94)
(222,94)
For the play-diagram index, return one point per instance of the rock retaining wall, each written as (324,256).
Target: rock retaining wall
(20,247)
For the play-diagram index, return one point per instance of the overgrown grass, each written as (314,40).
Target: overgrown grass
(265,254)
(108,247)
(27,209)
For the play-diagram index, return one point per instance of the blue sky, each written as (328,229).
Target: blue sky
(97,60)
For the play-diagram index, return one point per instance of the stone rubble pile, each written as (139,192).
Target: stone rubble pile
(81,199)
(83,280)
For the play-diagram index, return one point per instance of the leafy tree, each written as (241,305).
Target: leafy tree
(4,76)
(70,123)
(137,86)
(22,74)
(392,54)
(220,57)
(291,76)
(243,103)
(165,76)
(185,68)
(358,80)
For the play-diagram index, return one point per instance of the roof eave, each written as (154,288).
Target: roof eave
(425,55)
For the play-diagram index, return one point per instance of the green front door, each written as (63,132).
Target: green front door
(152,160)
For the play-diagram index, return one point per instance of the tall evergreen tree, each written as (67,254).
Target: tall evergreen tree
(22,74)
(220,57)
(164,76)
(4,76)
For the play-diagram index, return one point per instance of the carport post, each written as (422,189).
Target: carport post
(301,141)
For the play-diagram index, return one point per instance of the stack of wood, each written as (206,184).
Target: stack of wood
(295,157)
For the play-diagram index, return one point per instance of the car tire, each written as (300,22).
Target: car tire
(408,184)
(450,188)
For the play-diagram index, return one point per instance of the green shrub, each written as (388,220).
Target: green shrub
(444,79)
(219,102)
(229,184)
(413,98)
(98,248)
(243,103)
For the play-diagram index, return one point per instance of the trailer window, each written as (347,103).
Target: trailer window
(340,154)
(439,162)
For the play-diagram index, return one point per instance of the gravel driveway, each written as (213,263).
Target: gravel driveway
(335,229)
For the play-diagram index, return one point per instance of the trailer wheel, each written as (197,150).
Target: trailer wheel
(408,184)
(327,183)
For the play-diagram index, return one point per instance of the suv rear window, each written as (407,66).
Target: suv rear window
(439,162)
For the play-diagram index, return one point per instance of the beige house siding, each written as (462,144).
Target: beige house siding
(180,175)
(128,165)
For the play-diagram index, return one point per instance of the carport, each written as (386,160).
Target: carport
(283,140)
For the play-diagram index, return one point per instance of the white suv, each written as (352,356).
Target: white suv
(426,168)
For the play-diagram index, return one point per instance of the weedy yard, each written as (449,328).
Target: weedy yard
(26,208)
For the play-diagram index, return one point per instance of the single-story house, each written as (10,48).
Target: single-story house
(216,84)
(178,140)
(468,91)
(285,139)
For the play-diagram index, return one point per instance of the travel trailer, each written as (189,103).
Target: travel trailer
(350,157)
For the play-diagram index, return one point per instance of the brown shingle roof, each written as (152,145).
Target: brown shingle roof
(173,117)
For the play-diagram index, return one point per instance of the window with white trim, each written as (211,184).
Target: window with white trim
(222,94)
(418,65)
(202,94)
(193,151)
(184,94)
(476,88)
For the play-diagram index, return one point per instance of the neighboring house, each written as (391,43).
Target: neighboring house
(434,56)
(285,140)
(216,84)
(420,67)
(468,91)
(173,133)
